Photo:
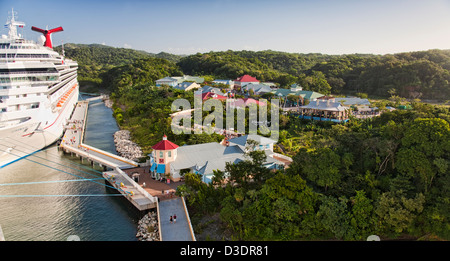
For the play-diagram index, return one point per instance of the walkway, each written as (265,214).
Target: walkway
(121,177)
(72,142)
(181,230)
(156,188)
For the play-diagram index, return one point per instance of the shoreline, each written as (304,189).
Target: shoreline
(148,225)
(125,147)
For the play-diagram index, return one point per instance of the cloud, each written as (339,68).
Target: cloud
(125,45)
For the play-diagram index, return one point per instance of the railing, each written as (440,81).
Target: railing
(282,156)
(31,73)
(135,185)
(108,154)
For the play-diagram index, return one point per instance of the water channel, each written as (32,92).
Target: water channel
(59,202)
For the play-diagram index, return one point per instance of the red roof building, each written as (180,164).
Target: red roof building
(245,102)
(164,152)
(244,80)
(208,95)
(165,145)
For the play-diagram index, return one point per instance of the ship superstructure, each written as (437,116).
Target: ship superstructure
(38,92)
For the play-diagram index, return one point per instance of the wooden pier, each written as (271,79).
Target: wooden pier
(139,196)
(72,142)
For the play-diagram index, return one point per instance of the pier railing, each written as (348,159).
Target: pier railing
(108,154)
(136,186)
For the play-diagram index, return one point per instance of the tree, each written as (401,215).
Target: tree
(396,213)
(317,82)
(292,188)
(362,215)
(218,177)
(425,150)
(323,169)
(334,217)
(288,200)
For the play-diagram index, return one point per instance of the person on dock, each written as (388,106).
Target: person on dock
(170,219)
(174,218)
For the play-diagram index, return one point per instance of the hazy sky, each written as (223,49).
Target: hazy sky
(186,27)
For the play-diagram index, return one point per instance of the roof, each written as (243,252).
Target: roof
(165,145)
(242,140)
(184,85)
(223,81)
(189,156)
(309,95)
(184,78)
(246,78)
(211,156)
(215,90)
(283,92)
(257,88)
(207,95)
(326,105)
(244,102)
(352,101)
(167,79)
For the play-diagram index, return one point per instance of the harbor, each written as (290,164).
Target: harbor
(49,195)
(72,143)
(76,206)
(131,180)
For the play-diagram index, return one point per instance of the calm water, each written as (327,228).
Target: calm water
(91,218)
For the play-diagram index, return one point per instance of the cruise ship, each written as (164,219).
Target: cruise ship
(38,92)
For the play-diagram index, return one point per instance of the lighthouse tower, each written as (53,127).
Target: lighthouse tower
(164,152)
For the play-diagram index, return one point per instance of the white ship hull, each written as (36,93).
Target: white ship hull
(31,136)
(38,93)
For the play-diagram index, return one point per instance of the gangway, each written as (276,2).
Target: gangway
(72,142)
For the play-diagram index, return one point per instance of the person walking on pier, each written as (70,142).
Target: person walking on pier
(174,218)
(170,219)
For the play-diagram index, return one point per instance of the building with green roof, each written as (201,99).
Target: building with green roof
(303,95)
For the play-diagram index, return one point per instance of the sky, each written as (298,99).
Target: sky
(191,26)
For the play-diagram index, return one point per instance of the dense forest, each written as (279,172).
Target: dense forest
(422,74)
(411,75)
(96,60)
(387,175)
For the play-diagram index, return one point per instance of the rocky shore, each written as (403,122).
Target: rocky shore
(125,147)
(107,101)
(148,229)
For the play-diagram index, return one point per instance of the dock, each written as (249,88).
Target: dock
(118,171)
(181,230)
(72,142)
